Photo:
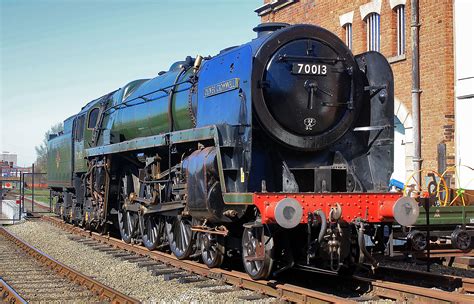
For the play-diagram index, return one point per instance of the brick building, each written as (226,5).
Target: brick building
(384,26)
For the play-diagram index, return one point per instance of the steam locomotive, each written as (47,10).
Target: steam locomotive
(279,150)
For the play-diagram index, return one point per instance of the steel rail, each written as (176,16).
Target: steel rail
(275,289)
(9,295)
(463,284)
(443,253)
(415,294)
(103,291)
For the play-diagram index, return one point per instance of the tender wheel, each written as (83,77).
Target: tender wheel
(128,222)
(180,237)
(257,247)
(212,250)
(152,230)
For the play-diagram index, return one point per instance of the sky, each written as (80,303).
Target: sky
(56,55)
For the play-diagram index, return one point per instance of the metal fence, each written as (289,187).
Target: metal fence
(26,193)
(34,193)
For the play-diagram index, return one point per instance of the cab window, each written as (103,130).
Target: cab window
(79,128)
(92,121)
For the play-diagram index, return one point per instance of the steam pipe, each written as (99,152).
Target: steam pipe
(309,237)
(324,225)
(416,91)
(361,240)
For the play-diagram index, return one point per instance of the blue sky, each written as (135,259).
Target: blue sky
(56,55)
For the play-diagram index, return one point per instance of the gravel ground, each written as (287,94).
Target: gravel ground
(121,275)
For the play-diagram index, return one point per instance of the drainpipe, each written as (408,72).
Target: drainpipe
(415,89)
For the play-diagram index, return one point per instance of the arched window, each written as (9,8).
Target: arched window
(373,32)
(400,11)
(93,118)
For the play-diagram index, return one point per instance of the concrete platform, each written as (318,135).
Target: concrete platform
(9,212)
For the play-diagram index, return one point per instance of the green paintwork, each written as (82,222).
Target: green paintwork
(80,161)
(454,215)
(59,157)
(238,198)
(135,117)
(156,141)
(129,123)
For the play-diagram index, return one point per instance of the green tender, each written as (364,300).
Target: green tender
(59,158)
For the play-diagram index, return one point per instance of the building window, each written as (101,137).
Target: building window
(400,10)
(348,28)
(373,32)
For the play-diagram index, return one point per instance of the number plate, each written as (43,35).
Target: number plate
(309,69)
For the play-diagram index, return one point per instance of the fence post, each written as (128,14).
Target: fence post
(50,201)
(32,188)
(21,183)
(22,192)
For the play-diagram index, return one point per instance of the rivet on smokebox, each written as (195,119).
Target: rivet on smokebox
(267,204)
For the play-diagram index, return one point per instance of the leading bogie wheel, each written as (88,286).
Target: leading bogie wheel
(212,250)
(257,252)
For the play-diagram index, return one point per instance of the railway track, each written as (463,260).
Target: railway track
(378,289)
(427,279)
(29,275)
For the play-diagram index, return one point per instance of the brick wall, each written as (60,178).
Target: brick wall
(436,58)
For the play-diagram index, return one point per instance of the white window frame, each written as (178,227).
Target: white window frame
(348,29)
(345,21)
(373,32)
(401,39)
